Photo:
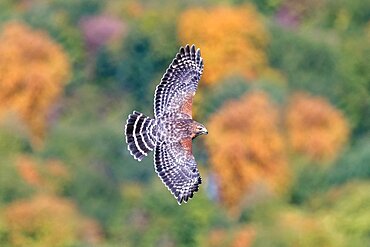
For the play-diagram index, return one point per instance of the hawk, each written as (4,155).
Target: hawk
(169,134)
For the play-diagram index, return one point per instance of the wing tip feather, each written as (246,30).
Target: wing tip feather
(180,195)
(188,57)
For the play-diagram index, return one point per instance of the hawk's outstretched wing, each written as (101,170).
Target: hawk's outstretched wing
(175,165)
(179,83)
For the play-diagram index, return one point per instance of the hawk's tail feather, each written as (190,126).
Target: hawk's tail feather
(139,135)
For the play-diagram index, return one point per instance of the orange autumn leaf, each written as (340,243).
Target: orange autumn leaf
(246,148)
(315,128)
(232,40)
(33,72)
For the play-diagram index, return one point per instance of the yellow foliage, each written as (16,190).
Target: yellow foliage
(33,71)
(346,210)
(133,192)
(367,31)
(232,40)
(301,229)
(315,128)
(246,148)
(43,221)
(128,8)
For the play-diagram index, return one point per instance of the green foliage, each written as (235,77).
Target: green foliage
(353,165)
(268,6)
(345,15)
(13,141)
(147,51)
(209,100)
(12,187)
(137,69)
(95,152)
(152,217)
(7,9)
(74,10)
(312,180)
(354,95)
(13,137)
(215,97)
(308,64)
(346,210)
(61,28)
(339,72)
(106,68)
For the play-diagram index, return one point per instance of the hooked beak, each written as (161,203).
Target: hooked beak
(201,130)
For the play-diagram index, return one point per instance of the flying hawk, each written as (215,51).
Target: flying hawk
(172,129)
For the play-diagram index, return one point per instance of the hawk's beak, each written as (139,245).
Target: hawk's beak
(201,131)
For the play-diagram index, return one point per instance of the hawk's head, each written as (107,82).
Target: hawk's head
(199,129)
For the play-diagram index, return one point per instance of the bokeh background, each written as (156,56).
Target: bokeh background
(284,95)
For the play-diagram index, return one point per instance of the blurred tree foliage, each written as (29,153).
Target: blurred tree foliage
(209,101)
(50,177)
(353,165)
(147,217)
(34,70)
(43,221)
(315,128)
(61,19)
(147,51)
(336,65)
(308,64)
(231,45)
(344,16)
(346,209)
(312,180)
(354,97)
(240,236)
(296,228)
(12,187)
(285,96)
(245,144)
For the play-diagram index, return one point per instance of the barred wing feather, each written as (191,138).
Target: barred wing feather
(179,84)
(177,168)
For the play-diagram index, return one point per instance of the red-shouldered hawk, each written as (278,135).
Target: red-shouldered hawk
(172,129)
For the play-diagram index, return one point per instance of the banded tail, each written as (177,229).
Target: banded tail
(139,135)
